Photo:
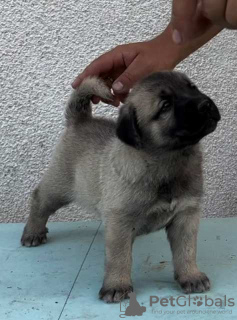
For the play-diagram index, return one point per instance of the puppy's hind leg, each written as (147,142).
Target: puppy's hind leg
(50,195)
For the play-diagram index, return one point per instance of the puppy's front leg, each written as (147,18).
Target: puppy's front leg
(117,281)
(182,234)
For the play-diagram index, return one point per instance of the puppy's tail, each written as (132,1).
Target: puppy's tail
(79,106)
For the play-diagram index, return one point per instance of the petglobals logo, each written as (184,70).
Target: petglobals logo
(188,301)
(190,304)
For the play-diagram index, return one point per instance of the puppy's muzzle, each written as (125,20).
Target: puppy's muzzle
(195,118)
(209,116)
(208,109)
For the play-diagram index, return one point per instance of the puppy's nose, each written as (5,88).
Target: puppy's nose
(205,106)
(208,108)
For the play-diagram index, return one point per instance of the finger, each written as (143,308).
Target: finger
(122,97)
(223,13)
(231,13)
(183,13)
(135,71)
(101,65)
(115,102)
(95,99)
(214,10)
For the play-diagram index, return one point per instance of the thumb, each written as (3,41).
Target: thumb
(183,14)
(135,71)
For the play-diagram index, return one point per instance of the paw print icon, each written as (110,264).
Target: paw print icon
(198,301)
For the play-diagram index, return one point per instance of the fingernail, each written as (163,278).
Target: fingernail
(200,3)
(73,84)
(176,36)
(117,86)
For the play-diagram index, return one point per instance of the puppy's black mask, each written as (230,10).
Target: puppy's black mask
(195,117)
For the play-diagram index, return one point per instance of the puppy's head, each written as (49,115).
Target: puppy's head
(166,110)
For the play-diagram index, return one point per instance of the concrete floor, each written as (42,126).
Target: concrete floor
(61,279)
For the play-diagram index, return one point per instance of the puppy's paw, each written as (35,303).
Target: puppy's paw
(34,239)
(113,295)
(195,283)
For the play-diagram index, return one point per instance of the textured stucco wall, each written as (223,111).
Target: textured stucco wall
(44,44)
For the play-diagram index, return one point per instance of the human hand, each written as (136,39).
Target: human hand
(191,18)
(124,65)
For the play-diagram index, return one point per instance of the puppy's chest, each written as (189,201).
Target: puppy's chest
(169,201)
(165,192)
(171,197)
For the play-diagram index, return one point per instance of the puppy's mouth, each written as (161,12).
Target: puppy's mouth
(189,136)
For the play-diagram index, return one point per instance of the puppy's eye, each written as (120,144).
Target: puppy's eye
(192,86)
(166,106)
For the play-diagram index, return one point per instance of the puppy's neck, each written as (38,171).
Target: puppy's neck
(135,165)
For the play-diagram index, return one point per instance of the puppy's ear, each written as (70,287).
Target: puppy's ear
(128,129)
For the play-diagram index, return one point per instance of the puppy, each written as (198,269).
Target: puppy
(142,172)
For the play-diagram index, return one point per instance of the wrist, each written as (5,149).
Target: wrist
(173,54)
(177,53)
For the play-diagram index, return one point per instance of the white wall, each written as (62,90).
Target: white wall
(44,44)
